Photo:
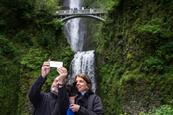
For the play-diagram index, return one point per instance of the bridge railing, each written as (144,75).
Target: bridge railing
(81,11)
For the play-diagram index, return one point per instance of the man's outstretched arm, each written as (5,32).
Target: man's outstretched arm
(35,91)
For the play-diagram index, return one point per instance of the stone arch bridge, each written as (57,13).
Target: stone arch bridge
(66,15)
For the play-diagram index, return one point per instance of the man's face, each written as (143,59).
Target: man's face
(81,84)
(55,85)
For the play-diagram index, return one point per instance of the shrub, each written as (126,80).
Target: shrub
(162,110)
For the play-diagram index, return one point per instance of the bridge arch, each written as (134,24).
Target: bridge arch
(82,16)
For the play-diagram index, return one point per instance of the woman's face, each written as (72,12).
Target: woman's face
(81,84)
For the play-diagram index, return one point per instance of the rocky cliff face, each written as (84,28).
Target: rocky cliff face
(138,45)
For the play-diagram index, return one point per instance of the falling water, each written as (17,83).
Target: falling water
(72,28)
(83,61)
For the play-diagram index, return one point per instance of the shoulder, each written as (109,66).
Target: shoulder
(94,97)
(94,102)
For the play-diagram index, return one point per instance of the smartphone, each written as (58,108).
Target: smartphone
(56,64)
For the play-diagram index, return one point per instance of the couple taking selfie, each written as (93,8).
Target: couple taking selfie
(74,99)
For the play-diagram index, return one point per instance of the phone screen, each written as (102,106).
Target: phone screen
(56,64)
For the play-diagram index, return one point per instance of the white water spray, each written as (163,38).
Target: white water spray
(84,62)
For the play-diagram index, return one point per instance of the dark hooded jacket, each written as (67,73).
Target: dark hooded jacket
(48,103)
(90,104)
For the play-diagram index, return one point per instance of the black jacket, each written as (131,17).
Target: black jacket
(48,103)
(90,104)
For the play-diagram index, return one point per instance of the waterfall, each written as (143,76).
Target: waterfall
(72,28)
(83,61)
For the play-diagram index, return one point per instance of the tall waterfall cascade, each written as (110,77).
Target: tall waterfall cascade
(72,28)
(83,61)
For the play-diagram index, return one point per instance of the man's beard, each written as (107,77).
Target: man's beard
(54,90)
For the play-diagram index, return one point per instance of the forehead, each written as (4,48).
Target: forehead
(79,79)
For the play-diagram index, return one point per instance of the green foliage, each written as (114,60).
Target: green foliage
(104,4)
(141,92)
(153,26)
(23,38)
(161,61)
(137,39)
(57,24)
(47,39)
(26,14)
(7,48)
(33,58)
(47,5)
(31,35)
(109,89)
(9,77)
(162,110)
(9,80)
(153,64)
(165,84)
(165,52)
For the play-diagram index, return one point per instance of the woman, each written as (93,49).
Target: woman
(86,102)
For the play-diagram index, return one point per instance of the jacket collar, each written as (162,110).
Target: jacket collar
(86,94)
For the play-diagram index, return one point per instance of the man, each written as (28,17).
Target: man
(54,102)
